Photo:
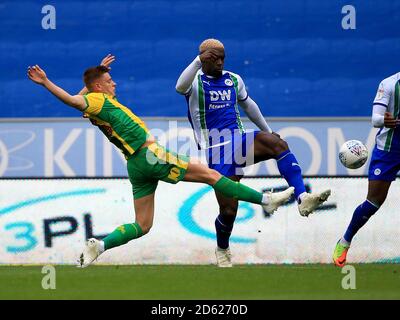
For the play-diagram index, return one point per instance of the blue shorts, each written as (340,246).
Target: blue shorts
(235,153)
(384,165)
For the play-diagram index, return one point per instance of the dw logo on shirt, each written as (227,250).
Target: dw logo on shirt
(220,95)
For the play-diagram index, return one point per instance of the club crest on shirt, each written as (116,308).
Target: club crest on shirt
(228,82)
(379,95)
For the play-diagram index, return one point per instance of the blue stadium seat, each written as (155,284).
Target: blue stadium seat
(294,56)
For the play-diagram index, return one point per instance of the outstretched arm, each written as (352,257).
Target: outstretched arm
(105,62)
(37,75)
(250,107)
(253,112)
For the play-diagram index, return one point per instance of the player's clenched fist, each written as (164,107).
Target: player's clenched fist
(390,121)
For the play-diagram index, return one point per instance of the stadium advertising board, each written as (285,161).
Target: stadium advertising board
(75,148)
(47,221)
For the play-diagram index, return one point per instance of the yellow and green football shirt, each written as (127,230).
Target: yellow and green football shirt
(118,123)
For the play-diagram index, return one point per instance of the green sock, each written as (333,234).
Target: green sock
(122,235)
(236,190)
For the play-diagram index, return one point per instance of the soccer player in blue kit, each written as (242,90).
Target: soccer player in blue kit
(213,96)
(384,165)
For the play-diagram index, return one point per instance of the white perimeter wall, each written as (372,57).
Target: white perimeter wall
(183,230)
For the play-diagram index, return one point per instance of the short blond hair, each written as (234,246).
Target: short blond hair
(210,44)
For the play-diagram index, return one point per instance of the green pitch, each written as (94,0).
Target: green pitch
(373,281)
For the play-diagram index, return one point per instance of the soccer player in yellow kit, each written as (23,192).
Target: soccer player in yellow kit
(147,161)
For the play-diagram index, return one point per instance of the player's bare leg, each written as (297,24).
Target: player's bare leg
(271,146)
(197,172)
(377,193)
(144,212)
(144,215)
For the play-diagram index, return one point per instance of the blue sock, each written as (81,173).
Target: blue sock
(291,171)
(360,217)
(224,229)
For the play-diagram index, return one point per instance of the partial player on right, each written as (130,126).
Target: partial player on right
(384,165)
